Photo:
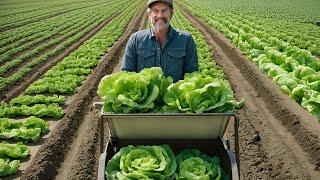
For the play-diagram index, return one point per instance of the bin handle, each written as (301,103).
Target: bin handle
(98,104)
(236,140)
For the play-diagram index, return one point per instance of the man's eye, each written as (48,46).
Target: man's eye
(165,11)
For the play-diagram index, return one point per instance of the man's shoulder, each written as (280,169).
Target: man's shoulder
(182,33)
(142,33)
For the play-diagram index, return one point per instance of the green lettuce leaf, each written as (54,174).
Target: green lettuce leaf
(303,71)
(287,82)
(8,167)
(298,92)
(311,102)
(28,130)
(276,57)
(27,100)
(192,165)
(127,92)
(142,162)
(197,93)
(18,150)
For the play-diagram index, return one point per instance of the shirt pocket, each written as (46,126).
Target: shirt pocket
(146,58)
(175,61)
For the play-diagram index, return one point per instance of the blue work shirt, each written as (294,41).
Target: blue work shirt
(177,56)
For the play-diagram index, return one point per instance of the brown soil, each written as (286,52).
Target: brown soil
(290,138)
(289,145)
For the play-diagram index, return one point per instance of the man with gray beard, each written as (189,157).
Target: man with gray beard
(161,45)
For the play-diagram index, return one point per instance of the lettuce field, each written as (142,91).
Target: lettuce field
(264,55)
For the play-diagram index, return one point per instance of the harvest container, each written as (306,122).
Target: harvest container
(179,130)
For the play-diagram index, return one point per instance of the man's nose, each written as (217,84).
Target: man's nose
(160,14)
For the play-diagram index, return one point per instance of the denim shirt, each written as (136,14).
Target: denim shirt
(177,56)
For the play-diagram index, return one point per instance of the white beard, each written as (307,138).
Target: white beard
(160,27)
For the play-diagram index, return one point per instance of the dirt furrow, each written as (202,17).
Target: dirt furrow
(281,123)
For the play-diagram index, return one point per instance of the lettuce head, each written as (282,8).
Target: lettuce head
(194,165)
(198,93)
(142,162)
(130,92)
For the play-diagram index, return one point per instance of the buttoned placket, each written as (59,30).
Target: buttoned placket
(159,53)
(160,50)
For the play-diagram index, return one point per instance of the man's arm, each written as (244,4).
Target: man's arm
(191,63)
(129,60)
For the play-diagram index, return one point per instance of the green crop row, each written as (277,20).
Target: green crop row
(295,70)
(36,11)
(56,26)
(50,23)
(85,58)
(4,82)
(305,35)
(60,34)
(205,53)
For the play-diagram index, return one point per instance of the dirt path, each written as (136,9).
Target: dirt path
(283,151)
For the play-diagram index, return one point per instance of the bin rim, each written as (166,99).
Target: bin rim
(233,114)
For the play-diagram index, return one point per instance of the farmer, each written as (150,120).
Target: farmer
(161,45)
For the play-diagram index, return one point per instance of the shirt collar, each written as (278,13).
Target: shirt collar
(169,36)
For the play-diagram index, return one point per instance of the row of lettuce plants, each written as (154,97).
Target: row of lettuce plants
(56,26)
(68,74)
(308,41)
(39,105)
(59,34)
(305,36)
(207,65)
(10,155)
(71,70)
(22,44)
(61,28)
(206,62)
(26,130)
(295,70)
(88,26)
(281,24)
(38,11)
(288,10)
(20,32)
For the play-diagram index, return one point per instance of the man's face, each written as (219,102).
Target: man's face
(160,15)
